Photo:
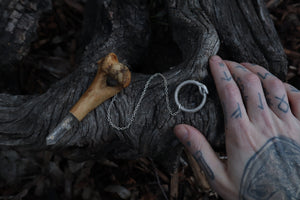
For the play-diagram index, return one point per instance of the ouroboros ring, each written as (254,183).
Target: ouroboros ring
(202,89)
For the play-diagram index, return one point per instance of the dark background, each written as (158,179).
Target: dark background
(54,55)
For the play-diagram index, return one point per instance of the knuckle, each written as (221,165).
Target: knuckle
(252,79)
(240,128)
(268,121)
(239,131)
(231,90)
(275,83)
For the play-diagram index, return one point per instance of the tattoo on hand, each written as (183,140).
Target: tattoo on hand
(204,166)
(226,78)
(263,76)
(221,64)
(237,113)
(283,105)
(261,106)
(273,171)
(293,89)
(241,67)
(239,82)
(267,97)
(188,144)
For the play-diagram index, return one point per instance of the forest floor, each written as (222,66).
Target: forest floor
(52,57)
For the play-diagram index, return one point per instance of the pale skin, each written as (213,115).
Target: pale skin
(262,135)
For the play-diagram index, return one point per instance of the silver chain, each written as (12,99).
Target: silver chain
(139,103)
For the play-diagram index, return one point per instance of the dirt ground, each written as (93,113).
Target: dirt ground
(52,57)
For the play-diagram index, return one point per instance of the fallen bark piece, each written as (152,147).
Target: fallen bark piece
(174,185)
(199,175)
(120,190)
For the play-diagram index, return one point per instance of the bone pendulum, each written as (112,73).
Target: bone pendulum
(97,93)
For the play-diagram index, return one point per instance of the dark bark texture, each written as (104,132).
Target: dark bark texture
(18,25)
(239,29)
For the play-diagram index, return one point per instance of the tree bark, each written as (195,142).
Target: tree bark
(242,30)
(18,25)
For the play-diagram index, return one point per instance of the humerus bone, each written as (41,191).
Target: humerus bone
(97,93)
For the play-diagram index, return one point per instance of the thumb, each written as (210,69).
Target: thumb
(203,153)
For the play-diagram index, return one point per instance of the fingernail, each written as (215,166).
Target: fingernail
(181,132)
(215,58)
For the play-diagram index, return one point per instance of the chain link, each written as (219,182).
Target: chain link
(139,103)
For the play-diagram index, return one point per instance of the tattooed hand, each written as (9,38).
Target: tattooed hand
(262,129)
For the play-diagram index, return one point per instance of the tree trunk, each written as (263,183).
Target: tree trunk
(238,29)
(18,25)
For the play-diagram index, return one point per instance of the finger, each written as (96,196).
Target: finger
(205,156)
(274,91)
(252,91)
(229,94)
(294,99)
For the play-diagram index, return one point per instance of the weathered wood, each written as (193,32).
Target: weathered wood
(241,29)
(247,33)
(18,25)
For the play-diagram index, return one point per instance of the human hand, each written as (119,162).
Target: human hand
(262,131)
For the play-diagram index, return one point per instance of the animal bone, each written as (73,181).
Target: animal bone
(97,93)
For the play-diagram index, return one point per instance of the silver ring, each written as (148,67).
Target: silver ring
(202,89)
